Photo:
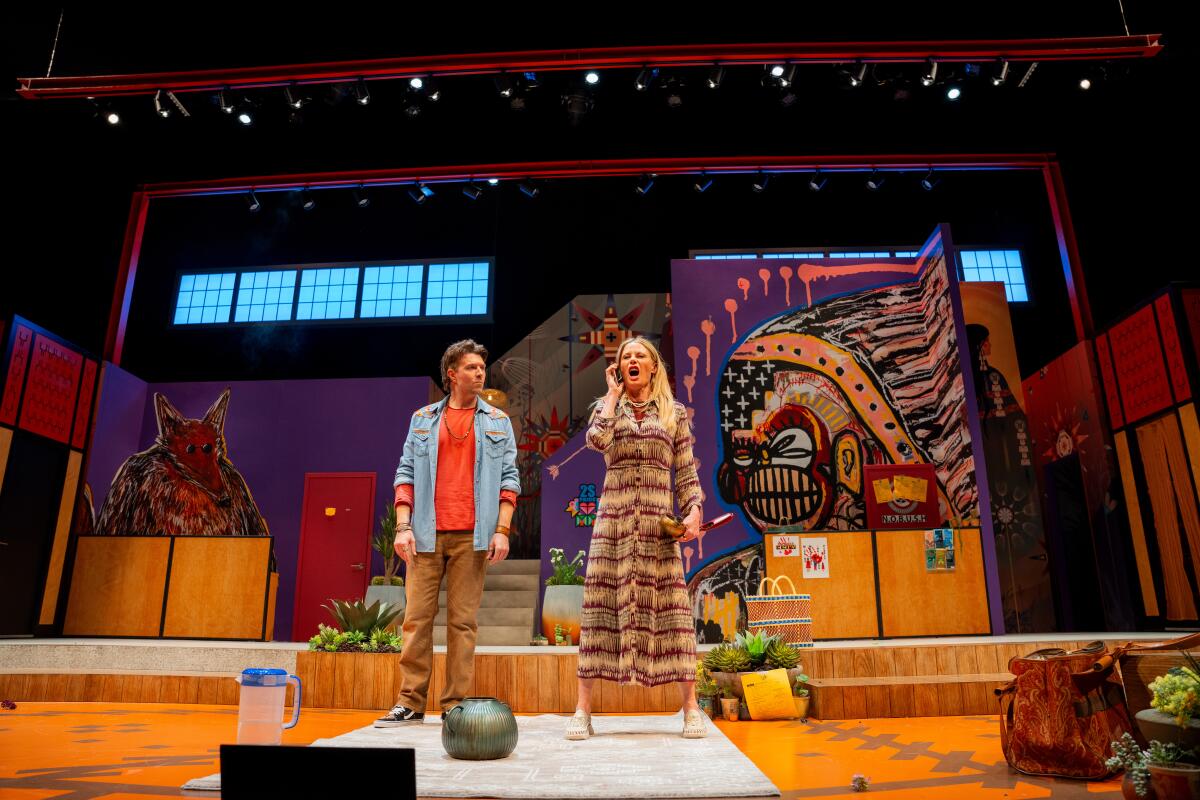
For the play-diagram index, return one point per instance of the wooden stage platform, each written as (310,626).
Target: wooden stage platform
(851,679)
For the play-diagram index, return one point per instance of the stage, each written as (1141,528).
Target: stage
(929,677)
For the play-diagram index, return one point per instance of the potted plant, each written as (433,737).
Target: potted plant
(729,704)
(750,653)
(361,629)
(562,638)
(388,587)
(563,603)
(800,695)
(706,691)
(1174,713)
(1165,771)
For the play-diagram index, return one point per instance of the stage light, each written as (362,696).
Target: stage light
(859,75)
(644,184)
(432,91)
(578,105)
(307,201)
(112,117)
(471,191)
(777,71)
(531,80)
(1028,74)
(420,193)
(245,118)
(361,93)
(929,182)
(160,106)
(493,181)
(953,93)
(930,75)
(252,202)
(503,84)
(642,81)
(1085,83)
(817,182)
(715,76)
(788,76)
(224,103)
(416,84)
(528,189)
(702,183)
(760,183)
(875,181)
(1001,73)
(360,196)
(293,96)
(592,77)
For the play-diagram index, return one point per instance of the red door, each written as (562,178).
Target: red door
(335,545)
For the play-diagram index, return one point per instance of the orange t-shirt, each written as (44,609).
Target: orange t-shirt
(454,491)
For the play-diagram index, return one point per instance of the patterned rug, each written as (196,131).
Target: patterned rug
(642,757)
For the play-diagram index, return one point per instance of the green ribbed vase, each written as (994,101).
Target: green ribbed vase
(479,729)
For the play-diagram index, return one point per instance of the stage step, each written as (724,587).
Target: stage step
(493,634)
(516,566)
(508,606)
(495,615)
(506,598)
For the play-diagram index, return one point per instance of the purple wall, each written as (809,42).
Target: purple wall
(118,430)
(276,432)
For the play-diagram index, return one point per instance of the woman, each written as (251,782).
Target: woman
(637,623)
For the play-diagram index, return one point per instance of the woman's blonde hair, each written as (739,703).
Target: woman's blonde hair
(660,386)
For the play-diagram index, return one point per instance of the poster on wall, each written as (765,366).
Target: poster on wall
(939,550)
(901,496)
(815,552)
(785,545)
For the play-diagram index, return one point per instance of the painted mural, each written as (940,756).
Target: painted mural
(797,374)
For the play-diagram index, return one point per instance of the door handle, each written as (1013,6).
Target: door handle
(360,566)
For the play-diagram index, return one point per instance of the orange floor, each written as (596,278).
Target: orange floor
(143,751)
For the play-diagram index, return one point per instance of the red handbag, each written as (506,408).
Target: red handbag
(1061,713)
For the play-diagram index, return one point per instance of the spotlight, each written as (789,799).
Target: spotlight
(503,84)
(412,108)
(929,181)
(493,181)
(360,196)
(416,84)
(930,75)
(644,183)
(592,77)
(420,193)
(432,92)
(788,77)
(817,182)
(106,112)
(715,76)
(760,183)
(859,75)
(953,93)
(643,79)
(160,106)
(361,93)
(777,71)
(578,105)
(1001,73)
(875,181)
(252,202)
(224,103)
(245,118)
(528,189)
(702,183)
(307,201)
(112,117)
(471,191)
(1085,84)
(294,98)
(530,79)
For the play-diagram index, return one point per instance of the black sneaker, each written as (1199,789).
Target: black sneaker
(399,715)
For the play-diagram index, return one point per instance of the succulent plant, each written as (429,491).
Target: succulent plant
(357,616)
(755,645)
(781,655)
(727,657)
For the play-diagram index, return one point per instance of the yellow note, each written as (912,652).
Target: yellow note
(909,488)
(883,490)
(768,695)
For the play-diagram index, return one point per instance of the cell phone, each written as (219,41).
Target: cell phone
(620,376)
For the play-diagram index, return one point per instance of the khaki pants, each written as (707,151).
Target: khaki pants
(464,568)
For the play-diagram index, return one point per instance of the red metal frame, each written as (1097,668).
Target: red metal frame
(1099,48)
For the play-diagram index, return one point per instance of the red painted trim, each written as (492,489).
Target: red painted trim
(118,317)
(1077,49)
(1068,251)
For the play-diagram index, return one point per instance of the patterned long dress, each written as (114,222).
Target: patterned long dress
(637,622)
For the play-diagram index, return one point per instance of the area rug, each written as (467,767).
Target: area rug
(642,757)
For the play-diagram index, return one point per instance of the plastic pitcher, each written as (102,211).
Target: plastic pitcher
(260,706)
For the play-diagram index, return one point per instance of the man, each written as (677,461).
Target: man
(456,488)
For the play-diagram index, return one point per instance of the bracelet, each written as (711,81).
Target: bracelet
(403,526)
(502,529)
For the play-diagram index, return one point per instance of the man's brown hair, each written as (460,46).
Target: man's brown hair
(454,354)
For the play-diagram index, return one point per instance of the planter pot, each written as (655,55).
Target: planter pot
(707,706)
(388,594)
(562,606)
(801,706)
(1174,781)
(729,708)
(733,680)
(1129,791)
(1155,725)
